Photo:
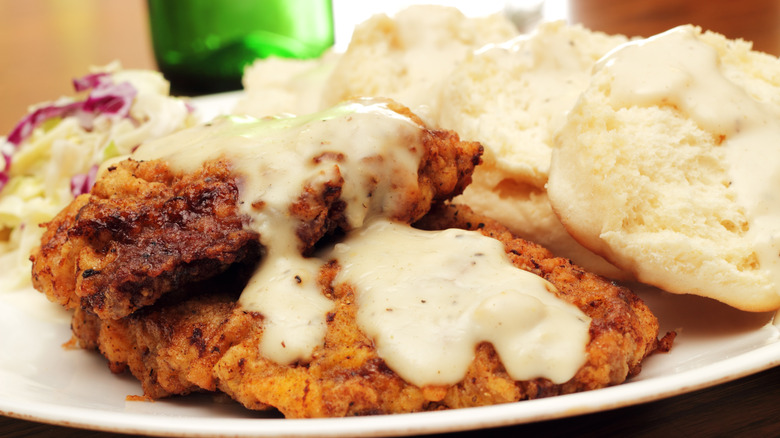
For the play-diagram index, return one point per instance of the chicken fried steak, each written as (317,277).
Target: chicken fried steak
(172,346)
(623,330)
(313,294)
(163,219)
(143,231)
(208,341)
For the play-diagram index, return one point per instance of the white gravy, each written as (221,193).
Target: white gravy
(536,334)
(678,68)
(428,298)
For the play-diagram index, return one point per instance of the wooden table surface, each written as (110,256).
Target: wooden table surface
(45,43)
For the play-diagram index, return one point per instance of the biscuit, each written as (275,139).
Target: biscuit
(512,97)
(668,166)
(285,86)
(405,57)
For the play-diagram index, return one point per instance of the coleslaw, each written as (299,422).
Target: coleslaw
(53,153)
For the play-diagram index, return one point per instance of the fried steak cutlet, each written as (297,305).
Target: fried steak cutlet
(172,346)
(159,259)
(141,232)
(146,229)
(208,342)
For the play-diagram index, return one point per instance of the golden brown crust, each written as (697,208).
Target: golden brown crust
(445,170)
(619,317)
(172,347)
(347,377)
(154,262)
(142,232)
(145,230)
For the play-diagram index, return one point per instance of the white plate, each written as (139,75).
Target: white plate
(42,381)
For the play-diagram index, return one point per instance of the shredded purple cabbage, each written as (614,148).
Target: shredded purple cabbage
(83,183)
(105,97)
(89,81)
(25,127)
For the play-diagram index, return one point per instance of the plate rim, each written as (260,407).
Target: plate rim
(457,420)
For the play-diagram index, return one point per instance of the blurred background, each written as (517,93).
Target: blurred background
(45,43)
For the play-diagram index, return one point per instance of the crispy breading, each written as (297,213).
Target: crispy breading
(444,172)
(346,376)
(145,230)
(154,262)
(171,347)
(623,329)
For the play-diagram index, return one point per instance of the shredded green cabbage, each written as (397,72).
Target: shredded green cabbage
(41,171)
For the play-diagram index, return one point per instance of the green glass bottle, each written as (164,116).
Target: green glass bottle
(202,46)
